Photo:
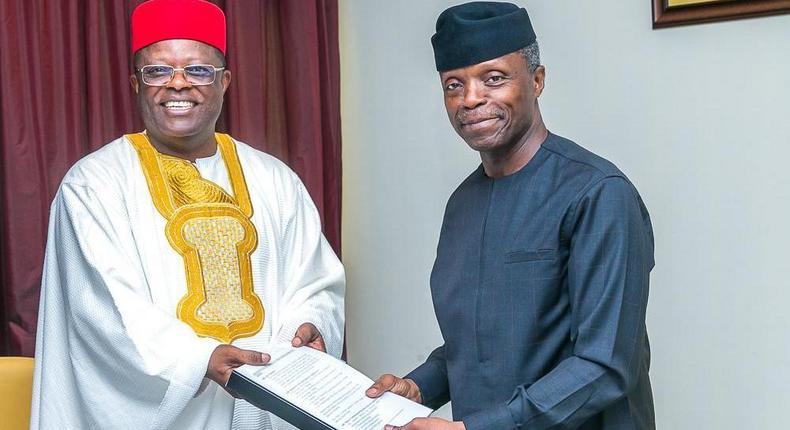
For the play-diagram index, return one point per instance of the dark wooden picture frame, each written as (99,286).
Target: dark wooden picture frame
(718,10)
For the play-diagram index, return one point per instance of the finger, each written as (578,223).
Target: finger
(318,346)
(378,386)
(318,343)
(255,358)
(409,425)
(415,424)
(384,383)
(305,334)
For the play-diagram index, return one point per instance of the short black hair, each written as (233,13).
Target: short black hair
(531,54)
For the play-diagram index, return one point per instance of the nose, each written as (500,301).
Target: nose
(179,80)
(474,95)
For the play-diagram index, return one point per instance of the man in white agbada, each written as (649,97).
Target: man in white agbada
(176,255)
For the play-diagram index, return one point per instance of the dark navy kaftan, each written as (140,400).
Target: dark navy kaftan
(540,288)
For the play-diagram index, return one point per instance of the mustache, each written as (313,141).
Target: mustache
(474,116)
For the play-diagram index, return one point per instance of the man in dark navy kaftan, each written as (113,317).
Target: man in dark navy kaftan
(541,278)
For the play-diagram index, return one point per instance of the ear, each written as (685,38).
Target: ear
(539,80)
(225,80)
(134,83)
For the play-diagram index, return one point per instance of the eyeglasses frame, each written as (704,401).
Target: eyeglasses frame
(178,69)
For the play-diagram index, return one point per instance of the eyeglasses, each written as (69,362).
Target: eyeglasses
(159,75)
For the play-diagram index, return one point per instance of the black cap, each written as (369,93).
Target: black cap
(479,31)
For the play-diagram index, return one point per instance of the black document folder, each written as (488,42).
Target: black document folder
(259,396)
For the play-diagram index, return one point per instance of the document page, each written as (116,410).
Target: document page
(330,390)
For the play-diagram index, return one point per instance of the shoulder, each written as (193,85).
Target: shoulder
(591,184)
(271,180)
(576,158)
(100,179)
(103,168)
(260,164)
(584,171)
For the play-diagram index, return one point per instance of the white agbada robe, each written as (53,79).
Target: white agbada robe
(110,351)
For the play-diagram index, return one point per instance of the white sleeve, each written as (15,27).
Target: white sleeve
(315,279)
(106,357)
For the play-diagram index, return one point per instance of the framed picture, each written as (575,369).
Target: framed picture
(668,13)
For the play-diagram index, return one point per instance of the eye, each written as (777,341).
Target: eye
(157,71)
(495,80)
(452,86)
(200,70)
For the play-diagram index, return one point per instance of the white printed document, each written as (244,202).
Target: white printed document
(313,390)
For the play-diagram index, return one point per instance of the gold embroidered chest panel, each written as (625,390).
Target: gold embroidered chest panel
(213,233)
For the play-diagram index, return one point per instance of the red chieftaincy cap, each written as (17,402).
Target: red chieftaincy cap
(157,20)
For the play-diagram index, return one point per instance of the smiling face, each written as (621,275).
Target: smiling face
(493,105)
(180,116)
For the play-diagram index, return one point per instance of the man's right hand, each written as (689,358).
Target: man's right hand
(225,358)
(402,387)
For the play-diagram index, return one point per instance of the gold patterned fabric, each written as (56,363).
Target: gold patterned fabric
(212,231)
(188,187)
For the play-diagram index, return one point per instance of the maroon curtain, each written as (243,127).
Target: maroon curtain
(64,91)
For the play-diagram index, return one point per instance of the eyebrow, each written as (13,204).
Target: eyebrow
(482,73)
(494,69)
(188,60)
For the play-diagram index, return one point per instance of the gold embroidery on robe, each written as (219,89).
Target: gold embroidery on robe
(213,233)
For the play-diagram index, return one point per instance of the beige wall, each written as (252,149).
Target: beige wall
(696,116)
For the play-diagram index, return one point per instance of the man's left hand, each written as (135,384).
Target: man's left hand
(429,424)
(308,335)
